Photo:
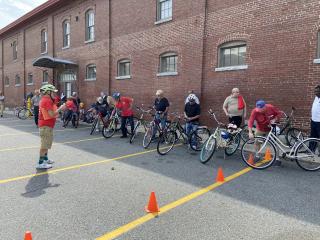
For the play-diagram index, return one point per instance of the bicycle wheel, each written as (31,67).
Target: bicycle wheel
(147,138)
(233,145)
(94,125)
(166,142)
(245,133)
(135,131)
(109,130)
(308,154)
(258,153)
(23,114)
(292,136)
(208,149)
(198,138)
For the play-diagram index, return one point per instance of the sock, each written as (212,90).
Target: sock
(45,157)
(41,159)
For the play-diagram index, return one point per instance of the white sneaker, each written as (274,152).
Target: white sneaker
(44,165)
(49,161)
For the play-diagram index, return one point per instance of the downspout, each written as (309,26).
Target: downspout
(2,65)
(53,52)
(204,40)
(109,50)
(24,64)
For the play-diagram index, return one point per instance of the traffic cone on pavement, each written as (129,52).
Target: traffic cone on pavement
(152,205)
(251,160)
(28,236)
(220,176)
(267,155)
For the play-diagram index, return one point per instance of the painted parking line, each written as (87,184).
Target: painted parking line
(31,133)
(54,144)
(76,166)
(134,224)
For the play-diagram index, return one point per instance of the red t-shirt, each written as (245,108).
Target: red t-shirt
(263,119)
(124,106)
(46,104)
(71,106)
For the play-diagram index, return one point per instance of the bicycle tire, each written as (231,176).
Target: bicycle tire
(254,160)
(237,140)
(292,136)
(109,130)
(23,114)
(201,134)
(208,149)
(304,147)
(135,131)
(147,138)
(166,142)
(94,125)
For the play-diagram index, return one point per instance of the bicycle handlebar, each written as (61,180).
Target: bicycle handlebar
(215,118)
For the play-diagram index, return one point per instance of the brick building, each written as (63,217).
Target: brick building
(269,49)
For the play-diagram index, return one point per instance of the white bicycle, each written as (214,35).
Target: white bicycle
(261,152)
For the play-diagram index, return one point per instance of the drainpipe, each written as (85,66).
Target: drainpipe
(24,64)
(109,51)
(2,64)
(204,45)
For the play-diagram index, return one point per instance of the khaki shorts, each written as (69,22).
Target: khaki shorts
(260,133)
(46,135)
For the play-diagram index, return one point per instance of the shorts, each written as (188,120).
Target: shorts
(46,136)
(260,133)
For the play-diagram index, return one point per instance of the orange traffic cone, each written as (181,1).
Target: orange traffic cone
(27,236)
(267,155)
(220,177)
(152,205)
(251,160)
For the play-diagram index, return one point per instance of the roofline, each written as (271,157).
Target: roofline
(28,16)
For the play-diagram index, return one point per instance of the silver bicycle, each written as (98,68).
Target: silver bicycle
(261,152)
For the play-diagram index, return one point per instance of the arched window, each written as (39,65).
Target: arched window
(17,80)
(168,63)
(124,68)
(90,25)
(91,72)
(66,33)
(45,77)
(232,54)
(164,9)
(44,41)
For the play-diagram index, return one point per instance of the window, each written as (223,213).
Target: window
(124,68)
(6,81)
(164,9)
(45,77)
(91,72)
(168,63)
(44,41)
(30,79)
(232,54)
(17,80)
(90,25)
(14,50)
(66,34)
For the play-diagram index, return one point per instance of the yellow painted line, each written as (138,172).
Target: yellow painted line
(31,133)
(54,144)
(75,167)
(134,224)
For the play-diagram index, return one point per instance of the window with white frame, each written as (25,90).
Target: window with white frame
(17,80)
(30,79)
(232,54)
(45,77)
(164,9)
(91,72)
(66,34)
(90,25)
(168,63)
(44,41)
(6,81)
(124,68)
(14,50)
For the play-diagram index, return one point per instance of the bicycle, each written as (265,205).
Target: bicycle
(260,152)
(25,113)
(224,136)
(194,139)
(95,117)
(140,122)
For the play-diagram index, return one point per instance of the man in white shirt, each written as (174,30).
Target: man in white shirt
(315,114)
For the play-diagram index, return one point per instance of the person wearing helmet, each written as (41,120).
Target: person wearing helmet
(124,104)
(192,114)
(235,107)
(264,115)
(161,105)
(48,113)
(191,92)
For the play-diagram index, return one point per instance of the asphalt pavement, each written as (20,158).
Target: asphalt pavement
(98,189)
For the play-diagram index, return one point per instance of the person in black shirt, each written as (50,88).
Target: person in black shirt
(161,105)
(192,114)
